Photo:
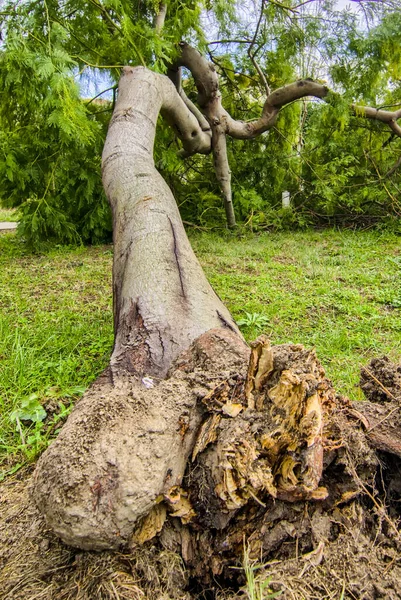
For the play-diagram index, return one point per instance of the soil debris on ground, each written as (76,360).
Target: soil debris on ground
(285,474)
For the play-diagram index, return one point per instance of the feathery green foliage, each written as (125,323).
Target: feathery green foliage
(50,144)
(335,165)
(51,139)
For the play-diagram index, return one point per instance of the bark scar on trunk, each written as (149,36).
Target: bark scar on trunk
(138,357)
(161,343)
(177,259)
(112,157)
(117,296)
(224,321)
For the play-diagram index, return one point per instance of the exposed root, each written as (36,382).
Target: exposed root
(280,466)
(35,564)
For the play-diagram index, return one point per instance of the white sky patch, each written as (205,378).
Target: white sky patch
(93,81)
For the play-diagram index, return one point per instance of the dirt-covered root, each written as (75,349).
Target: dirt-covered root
(359,558)
(127,443)
(381,380)
(381,415)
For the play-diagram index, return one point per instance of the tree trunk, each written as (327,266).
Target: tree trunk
(270,453)
(128,439)
(162,299)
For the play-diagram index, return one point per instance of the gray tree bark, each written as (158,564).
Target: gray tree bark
(162,298)
(128,439)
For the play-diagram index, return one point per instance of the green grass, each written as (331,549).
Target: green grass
(337,291)
(55,337)
(257,585)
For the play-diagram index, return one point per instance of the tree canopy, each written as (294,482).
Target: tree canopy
(335,162)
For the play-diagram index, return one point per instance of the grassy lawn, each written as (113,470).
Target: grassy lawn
(337,291)
(55,337)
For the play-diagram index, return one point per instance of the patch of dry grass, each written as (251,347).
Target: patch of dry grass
(35,565)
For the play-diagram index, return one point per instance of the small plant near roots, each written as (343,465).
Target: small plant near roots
(36,427)
(257,587)
(256,320)
(30,409)
(395,302)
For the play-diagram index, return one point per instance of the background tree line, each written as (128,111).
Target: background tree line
(339,167)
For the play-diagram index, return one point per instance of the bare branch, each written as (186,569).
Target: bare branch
(229,42)
(223,173)
(274,102)
(209,97)
(224,69)
(222,124)
(175,76)
(385,116)
(203,122)
(252,55)
(113,87)
(396,128)
(296,8)
(174,110)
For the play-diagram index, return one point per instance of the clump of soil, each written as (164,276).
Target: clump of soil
(381,384)
(282,470)
(381,380)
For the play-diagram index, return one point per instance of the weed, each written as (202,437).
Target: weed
(253,320)
(29,410)
(257,587)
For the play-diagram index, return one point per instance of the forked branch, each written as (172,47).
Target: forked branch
(222,124)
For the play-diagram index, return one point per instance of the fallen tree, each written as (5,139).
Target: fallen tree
(189,434)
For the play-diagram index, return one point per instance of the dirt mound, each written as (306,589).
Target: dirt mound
(287,481)
(381,380)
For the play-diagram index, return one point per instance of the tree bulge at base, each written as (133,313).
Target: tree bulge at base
(125,445)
